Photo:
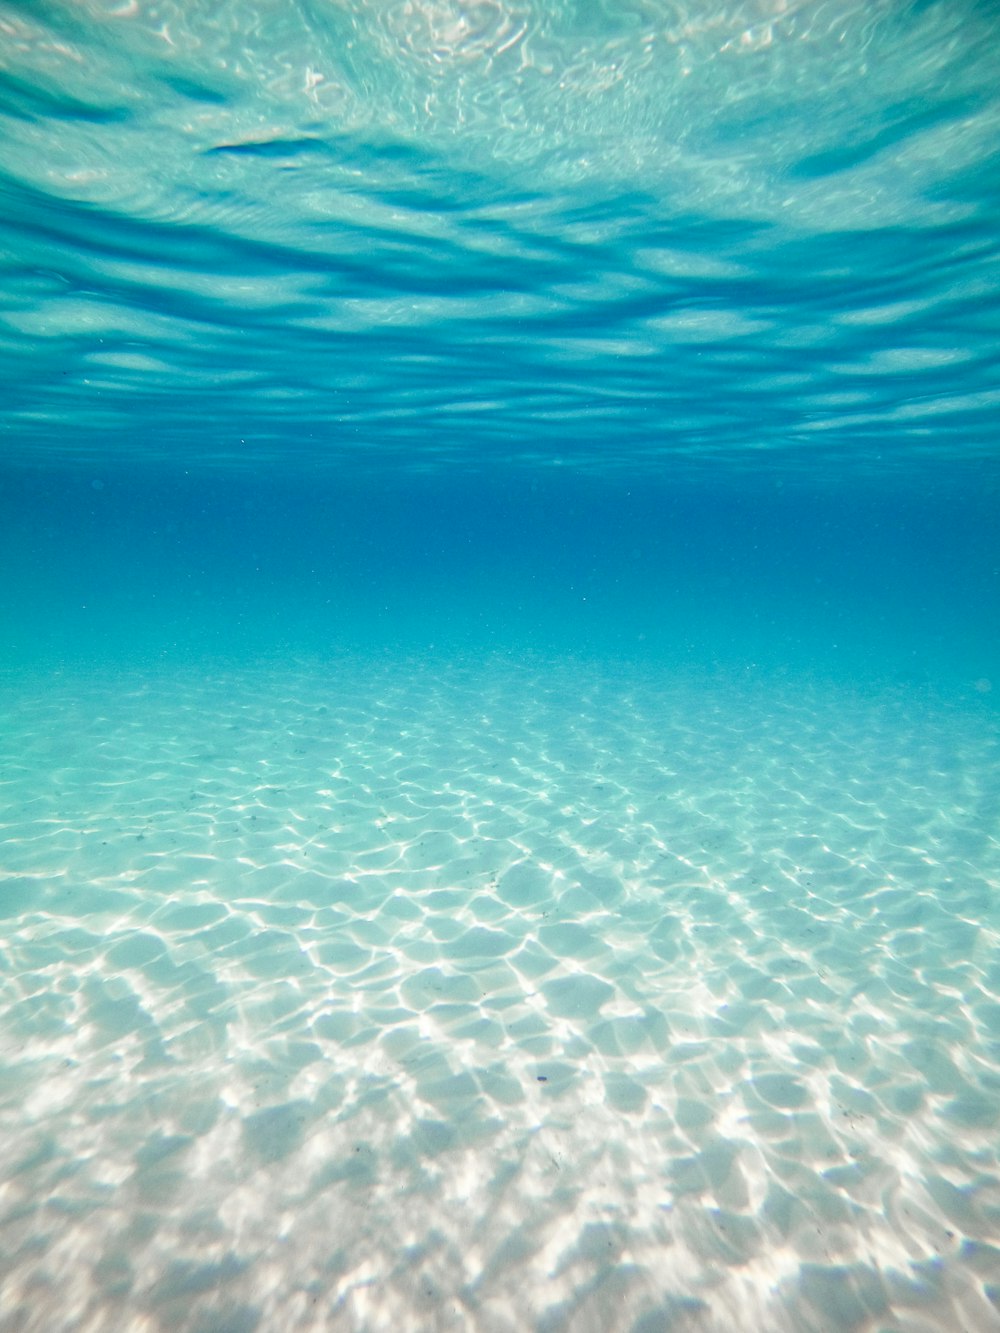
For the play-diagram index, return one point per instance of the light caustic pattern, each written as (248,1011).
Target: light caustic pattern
(495,997)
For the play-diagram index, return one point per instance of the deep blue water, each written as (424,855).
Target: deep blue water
(541,325)
(850,582)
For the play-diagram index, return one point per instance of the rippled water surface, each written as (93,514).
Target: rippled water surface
(438,233)
(499,660)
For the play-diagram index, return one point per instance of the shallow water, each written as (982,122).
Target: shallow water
(500,590)
(499,995)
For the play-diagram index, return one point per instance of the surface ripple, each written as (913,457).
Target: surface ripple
(428,233)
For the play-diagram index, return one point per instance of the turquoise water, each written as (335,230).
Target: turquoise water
(501,639)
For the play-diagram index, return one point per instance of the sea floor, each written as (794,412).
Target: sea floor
(385,995)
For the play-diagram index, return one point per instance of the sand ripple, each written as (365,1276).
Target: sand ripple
(497,996)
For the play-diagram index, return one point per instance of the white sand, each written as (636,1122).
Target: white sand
(497,997)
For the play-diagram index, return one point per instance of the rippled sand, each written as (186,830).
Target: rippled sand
(498,996)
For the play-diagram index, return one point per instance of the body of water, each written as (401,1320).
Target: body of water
(500,608)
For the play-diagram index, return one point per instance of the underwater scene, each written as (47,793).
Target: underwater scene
(499,666)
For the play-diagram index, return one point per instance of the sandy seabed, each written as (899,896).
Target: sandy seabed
(384,995)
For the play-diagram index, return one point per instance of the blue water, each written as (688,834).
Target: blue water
(852,581)
(570,428)
(327,324)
